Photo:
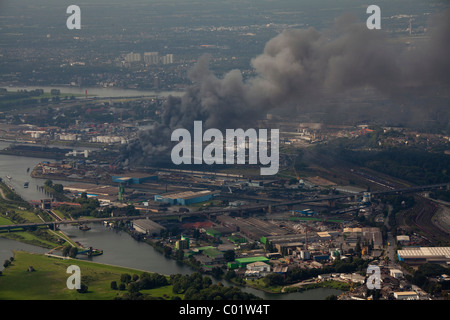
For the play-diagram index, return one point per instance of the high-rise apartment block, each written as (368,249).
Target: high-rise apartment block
(133,57)
(151,57)
(167,59)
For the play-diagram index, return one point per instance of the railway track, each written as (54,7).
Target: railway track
(424,221)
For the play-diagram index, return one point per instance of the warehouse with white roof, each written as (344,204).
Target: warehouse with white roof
(425,255)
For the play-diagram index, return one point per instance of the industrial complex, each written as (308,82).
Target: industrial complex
(268,230)
(212,169)
(253,227)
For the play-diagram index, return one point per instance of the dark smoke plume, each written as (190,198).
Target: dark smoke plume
(297,69)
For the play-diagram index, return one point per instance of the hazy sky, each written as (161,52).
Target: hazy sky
(325,10)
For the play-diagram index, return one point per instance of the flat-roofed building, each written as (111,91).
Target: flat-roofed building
(243,262)
(258,266)
(324,235)
(373,235)
(406,295)
(105,194)
(80,187)
(403,238)
(425,255)
(185,198)
(287,247)
(147,226)
(353,277)
(134,178)
(396,273)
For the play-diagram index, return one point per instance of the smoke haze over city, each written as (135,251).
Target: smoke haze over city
(300,69)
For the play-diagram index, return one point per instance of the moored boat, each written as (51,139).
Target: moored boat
(84,228)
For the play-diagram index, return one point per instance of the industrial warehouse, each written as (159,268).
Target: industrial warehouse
(147,226)
(185,198)
(105,194)
(134,178)
(424,255)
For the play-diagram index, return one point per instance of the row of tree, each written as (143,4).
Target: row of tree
(134,283)
(69,251)
(198,287)
(410,163)
(193,287)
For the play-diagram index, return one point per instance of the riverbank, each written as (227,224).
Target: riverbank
(35,152)
(330,284)
(106,179)
(99,91)
(298,287)
(48,280)
(14,210)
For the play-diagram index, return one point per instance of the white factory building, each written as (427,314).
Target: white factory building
(147,226)
(425,255)
(109,139)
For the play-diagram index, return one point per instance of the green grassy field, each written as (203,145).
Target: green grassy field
(48,282)
(4,221)
(30,238)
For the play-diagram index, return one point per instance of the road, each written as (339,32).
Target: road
(390,248)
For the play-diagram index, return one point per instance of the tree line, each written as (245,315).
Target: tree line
(409,163)
(191,287)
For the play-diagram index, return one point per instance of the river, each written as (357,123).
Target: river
(99,92)
(119,248)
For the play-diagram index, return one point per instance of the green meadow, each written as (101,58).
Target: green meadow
(48,281)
